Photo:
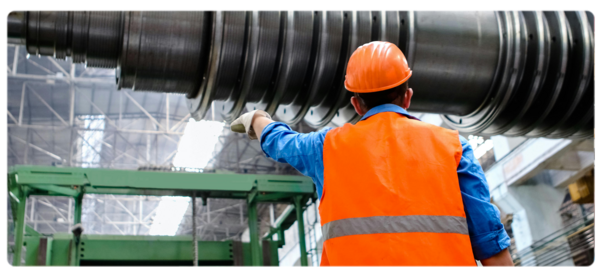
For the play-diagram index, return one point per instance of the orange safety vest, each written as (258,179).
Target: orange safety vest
(391,195)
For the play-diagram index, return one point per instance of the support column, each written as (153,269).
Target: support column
(32,213)
(75,251)
(72,102)
(253,228)
(77,214)
(301,236)
(194,236)
(26,153)
(167,122)
(15,60)
(72,131)
(49,251)
(19,218)
(317,256)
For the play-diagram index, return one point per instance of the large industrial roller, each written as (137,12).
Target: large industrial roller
(512,73)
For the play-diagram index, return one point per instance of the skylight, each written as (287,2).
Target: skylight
(169,214)
(193,154)
(92,145)
(198,143)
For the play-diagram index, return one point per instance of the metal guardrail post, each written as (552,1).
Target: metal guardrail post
(301,236)
(19,227)
(77,216)
(194,235)
(75,254)
(253,228)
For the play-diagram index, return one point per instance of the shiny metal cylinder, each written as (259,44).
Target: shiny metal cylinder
(453,56)
(488,73)
(163,52)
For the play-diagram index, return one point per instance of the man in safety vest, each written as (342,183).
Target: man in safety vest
(393,190)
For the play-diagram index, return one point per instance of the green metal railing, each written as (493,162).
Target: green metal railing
(24,181)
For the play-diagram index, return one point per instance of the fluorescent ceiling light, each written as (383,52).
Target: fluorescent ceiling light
(198,143)
(169,214)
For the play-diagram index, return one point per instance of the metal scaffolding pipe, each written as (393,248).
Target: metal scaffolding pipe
(516,73)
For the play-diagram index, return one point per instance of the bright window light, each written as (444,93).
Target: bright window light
(93,141)
(198,143)
(479,145)
(484,148)
(195,150)
(169,214)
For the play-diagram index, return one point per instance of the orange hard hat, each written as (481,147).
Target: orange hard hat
(376,66)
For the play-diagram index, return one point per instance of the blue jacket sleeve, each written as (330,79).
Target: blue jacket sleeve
(487,233)
(303,151)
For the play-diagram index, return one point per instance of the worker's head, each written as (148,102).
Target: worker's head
(378,74)
(400,95)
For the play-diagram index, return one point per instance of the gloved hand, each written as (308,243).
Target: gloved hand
(243,124)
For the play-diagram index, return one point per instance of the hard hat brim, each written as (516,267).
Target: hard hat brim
(377,89)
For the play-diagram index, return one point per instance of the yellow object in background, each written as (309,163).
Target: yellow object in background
(582,190)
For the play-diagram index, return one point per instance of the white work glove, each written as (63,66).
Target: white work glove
(243,124)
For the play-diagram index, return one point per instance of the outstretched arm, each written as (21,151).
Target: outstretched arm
(259,122)
(303,151)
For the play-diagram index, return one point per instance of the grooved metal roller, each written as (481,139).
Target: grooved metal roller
(505,72)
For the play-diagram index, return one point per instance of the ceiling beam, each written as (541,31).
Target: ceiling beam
(15,60)
(37,148)
(138,131)
(41,67)
(49,107)
(144,110)
(53,61)
(12,117)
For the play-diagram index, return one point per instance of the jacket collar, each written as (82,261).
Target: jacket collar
(388,108)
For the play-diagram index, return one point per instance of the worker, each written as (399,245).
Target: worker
(393,190)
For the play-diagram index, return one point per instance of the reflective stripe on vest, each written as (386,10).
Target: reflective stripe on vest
(395,224)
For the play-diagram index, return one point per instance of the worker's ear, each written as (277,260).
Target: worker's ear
(407,96)
(359,110)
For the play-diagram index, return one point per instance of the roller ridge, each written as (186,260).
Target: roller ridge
(103,49)
(260,58)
